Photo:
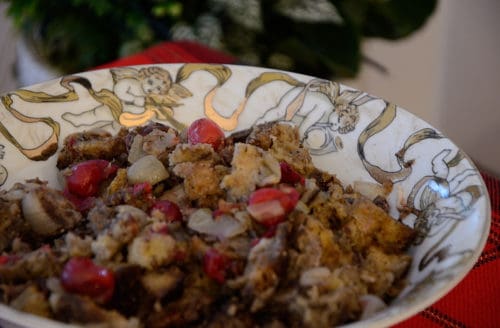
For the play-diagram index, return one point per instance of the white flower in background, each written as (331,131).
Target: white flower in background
(182,31)
(209,31)
(246,12)
(206,30)
(310,11)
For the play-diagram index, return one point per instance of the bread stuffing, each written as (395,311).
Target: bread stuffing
(156,228)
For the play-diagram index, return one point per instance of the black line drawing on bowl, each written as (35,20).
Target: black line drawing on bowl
(3,174)
(322,112)
(440,203)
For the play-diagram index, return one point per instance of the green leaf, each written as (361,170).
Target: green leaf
(168,8)
(389,19)
(323,49)
(81,34)
(396,18)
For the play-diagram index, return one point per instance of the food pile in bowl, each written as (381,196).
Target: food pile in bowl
(160,228)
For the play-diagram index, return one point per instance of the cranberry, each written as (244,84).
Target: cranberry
(270,233)
(292,197)
(180,256)
(82,276)
(289,175)
(4,259)
(168,209)
(269,206)
(254,242)
(82,204)
(206,131)
(86,177)
(9,259)
(142,189)
(215,265)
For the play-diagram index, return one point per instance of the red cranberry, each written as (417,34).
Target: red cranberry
(206,131)
(215,265)
(168,209)
(269,206)
(86,177)
(82,276)
(289,175)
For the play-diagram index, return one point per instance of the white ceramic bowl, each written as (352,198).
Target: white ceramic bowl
(357,136)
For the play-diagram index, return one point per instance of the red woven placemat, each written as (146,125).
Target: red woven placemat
(473,303)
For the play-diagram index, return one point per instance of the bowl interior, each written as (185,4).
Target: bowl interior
(357,136)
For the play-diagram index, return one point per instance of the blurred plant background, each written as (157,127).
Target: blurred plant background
(317,37)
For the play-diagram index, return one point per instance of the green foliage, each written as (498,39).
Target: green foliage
(317,37)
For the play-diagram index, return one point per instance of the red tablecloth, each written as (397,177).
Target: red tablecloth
(473,303)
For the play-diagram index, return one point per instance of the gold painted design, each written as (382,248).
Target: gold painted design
(222,74)
(48,147)
(376,126)
(43,97)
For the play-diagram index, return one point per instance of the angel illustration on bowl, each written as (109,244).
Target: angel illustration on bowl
(143,94)
(322,111)
(441,202)
(137,96)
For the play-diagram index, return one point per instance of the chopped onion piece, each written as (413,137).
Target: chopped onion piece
(225,226)
(35,214)
(314,276)
(268,210)
(302,207)
(147,169)
(136,152)
(371,304)
(369,189)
